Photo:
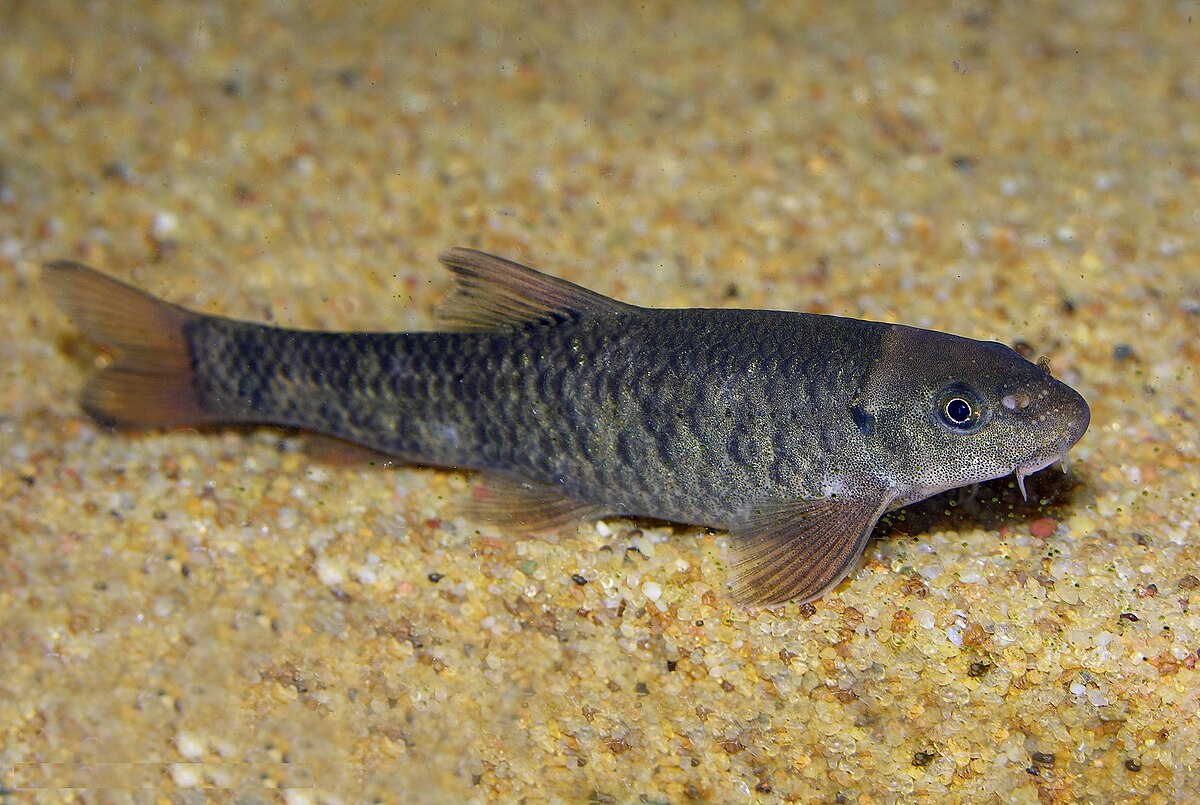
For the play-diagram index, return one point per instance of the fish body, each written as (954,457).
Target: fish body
(793,431)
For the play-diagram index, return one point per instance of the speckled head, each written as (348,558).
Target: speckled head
(952,411)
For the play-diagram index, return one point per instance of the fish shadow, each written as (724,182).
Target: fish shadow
(992,506)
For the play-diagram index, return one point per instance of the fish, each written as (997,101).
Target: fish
(794,432)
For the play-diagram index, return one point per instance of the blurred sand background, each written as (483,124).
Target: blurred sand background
(218,616)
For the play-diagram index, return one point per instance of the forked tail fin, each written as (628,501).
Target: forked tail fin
(150,382)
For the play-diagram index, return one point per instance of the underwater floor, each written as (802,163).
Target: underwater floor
(221,615)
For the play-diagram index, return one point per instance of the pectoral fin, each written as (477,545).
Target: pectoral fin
(802,549)
(527,505)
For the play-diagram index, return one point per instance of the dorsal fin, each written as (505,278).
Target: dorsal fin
(492,293)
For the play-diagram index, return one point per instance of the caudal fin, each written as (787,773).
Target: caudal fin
(150,382)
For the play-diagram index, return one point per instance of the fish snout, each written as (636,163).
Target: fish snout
(1055,417)
(1056,414)
(1076,416)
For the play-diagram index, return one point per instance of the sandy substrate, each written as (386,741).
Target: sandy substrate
(219,616)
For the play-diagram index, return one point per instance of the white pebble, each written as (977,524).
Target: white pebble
(164,225)
(188,746)
(305,165)
(652,591)
(328,574)
(288,518)
(10,249)
(644,545)
(930,571)
(184,775)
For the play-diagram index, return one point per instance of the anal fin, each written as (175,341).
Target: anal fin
(340,453)
(800,550)
(527,505)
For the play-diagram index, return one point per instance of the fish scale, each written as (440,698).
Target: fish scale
(793,431)
(649,379)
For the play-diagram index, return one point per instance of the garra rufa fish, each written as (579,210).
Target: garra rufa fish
(793,431)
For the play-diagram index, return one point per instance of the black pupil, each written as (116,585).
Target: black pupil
(958,410)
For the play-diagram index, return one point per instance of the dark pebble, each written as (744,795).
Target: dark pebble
(923,758)
(117,170)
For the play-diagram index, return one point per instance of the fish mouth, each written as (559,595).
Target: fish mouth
(1025,470)
(1077,425)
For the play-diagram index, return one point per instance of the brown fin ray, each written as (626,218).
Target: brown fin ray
(799,551)
(492,292)
(341,453)
(527,505)
(150,382)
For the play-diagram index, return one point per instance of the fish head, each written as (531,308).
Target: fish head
(953,411)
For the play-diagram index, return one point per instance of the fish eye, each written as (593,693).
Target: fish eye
(959,409)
